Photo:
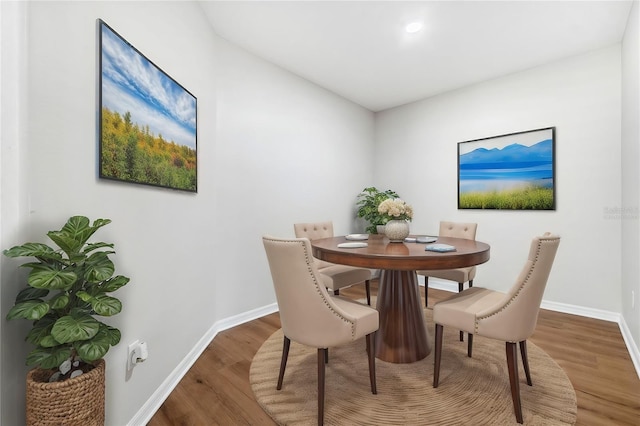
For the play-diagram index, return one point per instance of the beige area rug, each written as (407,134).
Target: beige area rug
(472,391)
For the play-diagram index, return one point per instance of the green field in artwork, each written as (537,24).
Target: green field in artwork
(527,198)
(134,154)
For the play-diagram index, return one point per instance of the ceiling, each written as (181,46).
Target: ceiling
(361,51)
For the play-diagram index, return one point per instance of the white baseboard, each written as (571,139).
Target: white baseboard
(616,317)
(439,284)
(632,347)
(146,412)
(565,308)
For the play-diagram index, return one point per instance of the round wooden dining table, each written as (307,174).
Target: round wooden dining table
(402,336)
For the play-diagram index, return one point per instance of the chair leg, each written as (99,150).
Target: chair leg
(283,361)
(512,364)
(367,287)
(321,362)
(469,344)
(460,285)
(437,356)
(426,293)
(470,283)
(326,355)
(371,343)
(525,361)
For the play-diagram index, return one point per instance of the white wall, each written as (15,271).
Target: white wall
(299,154)
(416,154)
(631,174)
(272,149)
(12,183)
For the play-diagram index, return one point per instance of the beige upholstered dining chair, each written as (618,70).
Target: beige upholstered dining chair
(510,316)
(335,277)
(312,317)
(459,275)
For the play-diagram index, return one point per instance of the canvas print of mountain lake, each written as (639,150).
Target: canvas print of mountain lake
(510,172)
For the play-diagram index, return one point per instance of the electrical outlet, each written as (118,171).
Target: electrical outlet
(136,353)
(131,354)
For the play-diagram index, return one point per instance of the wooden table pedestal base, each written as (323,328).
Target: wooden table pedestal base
(402,337)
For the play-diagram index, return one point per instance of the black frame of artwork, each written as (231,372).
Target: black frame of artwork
(147,120)
(514,171)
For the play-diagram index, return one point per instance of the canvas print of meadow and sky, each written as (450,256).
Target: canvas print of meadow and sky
(512,172)
(147,120)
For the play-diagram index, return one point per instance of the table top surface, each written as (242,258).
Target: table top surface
(380,253)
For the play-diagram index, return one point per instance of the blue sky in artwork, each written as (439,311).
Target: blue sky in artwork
(132,83)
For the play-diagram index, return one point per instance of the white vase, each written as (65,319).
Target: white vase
(380,229)
(397,230)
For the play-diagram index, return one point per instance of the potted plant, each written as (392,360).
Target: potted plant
(368,201)
(67,287)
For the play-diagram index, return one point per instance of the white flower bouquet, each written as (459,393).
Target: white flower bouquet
(395,209)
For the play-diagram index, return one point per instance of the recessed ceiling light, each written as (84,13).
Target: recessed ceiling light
(413,27)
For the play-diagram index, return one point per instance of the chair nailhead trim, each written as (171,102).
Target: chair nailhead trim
(524,282)
(309,261)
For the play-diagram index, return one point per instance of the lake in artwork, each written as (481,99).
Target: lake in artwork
(508,172)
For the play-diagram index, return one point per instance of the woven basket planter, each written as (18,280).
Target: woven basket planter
(74,402)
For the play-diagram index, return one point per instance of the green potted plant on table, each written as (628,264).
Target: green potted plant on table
(368,201)
(66,288)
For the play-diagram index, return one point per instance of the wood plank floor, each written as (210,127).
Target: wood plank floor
(216,391)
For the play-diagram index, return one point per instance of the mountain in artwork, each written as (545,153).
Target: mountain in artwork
(511,156)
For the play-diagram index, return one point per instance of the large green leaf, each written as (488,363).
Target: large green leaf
(43,276)
(30,293)
(76,225)
(49,357)
(85,233)
(41,330)
(105,305)
(115,283)
(53,257)
(73,328)
(94,246)
(71,237)
(98,268)
(67,242)
(57,264)
(114,335)
(92,350)
(49,342)
(95,348)
(77,259)
(101,303)
(75,233)
(99,223)
(59,301)
(31,310)
(29,249)
(84,296)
